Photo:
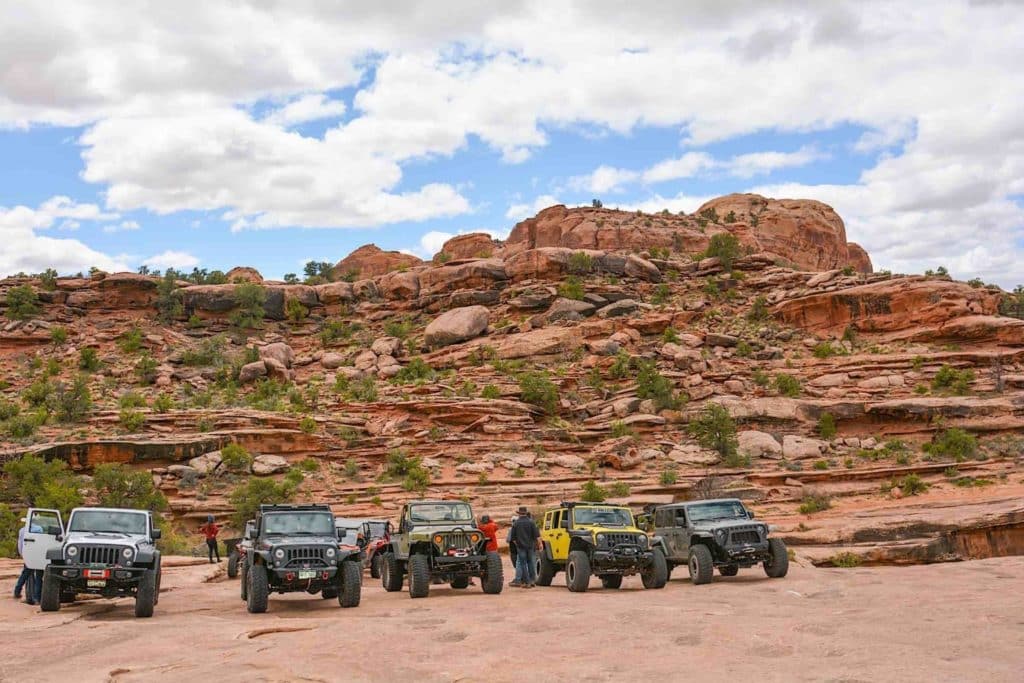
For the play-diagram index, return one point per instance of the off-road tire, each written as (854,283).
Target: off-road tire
(460,582)
(656,575)
(159,577)
(611,581)
(145,596)
(577,571)
(49,596)
(778,565)
(351,583)
(259,589)
(375,566)
(232,565)
(547,571)
(419,576)
(701,565)
(493,579)
(391,574)
(729,570)
(243,575)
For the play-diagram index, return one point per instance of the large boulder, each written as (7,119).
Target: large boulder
(569,309)
(474,245)
(244,274)
(268,464)
(206,463)
(801,447)
(457,325)
(334,293)
(758,444)
(400,285)
(250,372)
(370,261)
(279,351)
(479,274)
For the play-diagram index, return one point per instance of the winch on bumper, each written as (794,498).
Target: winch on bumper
(622,556)
(92,579)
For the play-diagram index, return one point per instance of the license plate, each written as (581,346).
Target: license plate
(93,583)
(307,574)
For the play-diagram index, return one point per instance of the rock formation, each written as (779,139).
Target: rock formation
(370,261)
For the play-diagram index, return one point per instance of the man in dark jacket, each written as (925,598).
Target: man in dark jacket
(526,536)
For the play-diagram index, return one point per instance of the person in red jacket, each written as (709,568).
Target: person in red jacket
(490,529)
(210,530)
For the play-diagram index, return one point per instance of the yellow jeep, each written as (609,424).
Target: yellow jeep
(592,538)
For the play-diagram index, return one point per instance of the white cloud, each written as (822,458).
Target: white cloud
(686,166)
(517,212)
(604,179)
(172,259)
(762,163)
(123,226)
(307,108)
(25,250)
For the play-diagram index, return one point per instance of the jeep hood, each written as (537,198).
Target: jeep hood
(103,538)
(726,524)
(291,541)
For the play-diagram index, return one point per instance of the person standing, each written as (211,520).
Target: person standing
(527,539)
(26,579)
(512,547)
(490,529)
(210,530)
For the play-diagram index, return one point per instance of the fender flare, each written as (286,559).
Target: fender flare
(659,542)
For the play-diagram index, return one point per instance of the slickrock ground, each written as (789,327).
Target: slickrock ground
(949,622)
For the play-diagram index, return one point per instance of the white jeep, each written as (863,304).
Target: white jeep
(104,551)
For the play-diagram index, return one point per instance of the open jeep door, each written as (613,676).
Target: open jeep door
(39,537)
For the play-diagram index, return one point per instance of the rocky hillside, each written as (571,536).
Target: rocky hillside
(874,418)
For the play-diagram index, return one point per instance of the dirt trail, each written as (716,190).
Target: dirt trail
(955,621)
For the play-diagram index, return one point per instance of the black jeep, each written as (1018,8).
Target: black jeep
(722,533)
(295,548)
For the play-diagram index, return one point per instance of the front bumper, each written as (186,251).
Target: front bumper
(746,554)
(622,558)
(300,577)
(451,560)
(93,579)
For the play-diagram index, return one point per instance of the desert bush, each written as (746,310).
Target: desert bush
(580,263)
(954,443)
(787,385)
(827,349)
(236,458)
(845,560)
(70,402)
(130,341)
(88,360)
(813,501)
(593,492)
(912,484)
(416,370)
(22,302)
(163,403)
(131,399)
(119,486)
(168,298)
(145,369)
(249,301)
(131,420)
(714,428)
(725,247)
(295,311)
(490,392)
(535,388)
(209,352)
(571,288)
(668,477)
(58,335)
(307,425)
(247,498)
(954,381)
(827,426)
(651,384)
(33,481)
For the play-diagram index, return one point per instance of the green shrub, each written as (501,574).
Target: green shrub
(295,311)
(758,309)
(247,498)
(70,402)
(953,443)
(249,300)
(307,425)
(668,477)
(22,302)
(363,390)
(10,524)
(814,502)
(593,492)
(820,464)
(651,384)
(827,349)
(580,263)
(571,288)
(8,409)
(954,381)
(24,425)
(714,428)
(417,479)
(338,330)
(535,388)
(119,486)
(760,378)
(163,403)
(308,465)
(827,426)
(130,341)
(670,336)
(398,328)
(145,369)
(845,560)
(725,247)
(58,335)
(622,366)
(744,349)
(236,458)
(33,481)
(787,385)
(490,392)
(88,360)
(209,352)
(619,489)
(620,429)
(131,399)
(662,293)
(416,370)
(168,298)
(131,420)
(911,485)
(398,463)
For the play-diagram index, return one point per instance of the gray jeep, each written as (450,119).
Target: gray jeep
(294,548)
(107,552)
(438,542)
(705,534)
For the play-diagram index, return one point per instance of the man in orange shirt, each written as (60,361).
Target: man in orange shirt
(210,530)
(490,529)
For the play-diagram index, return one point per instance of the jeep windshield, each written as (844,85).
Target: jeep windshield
(440,512)
(707,512)
(377,529)
(601,516)
(110,522)
(299,523)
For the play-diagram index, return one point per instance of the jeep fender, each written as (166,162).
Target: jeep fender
(547,551)
(261,557)
(659,542)
(55,555)
(584,543)
(702,538)
(421,547)
(146,557)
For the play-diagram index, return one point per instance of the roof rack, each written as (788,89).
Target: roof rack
(307,507)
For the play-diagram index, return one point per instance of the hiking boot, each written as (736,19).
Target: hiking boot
(515,584)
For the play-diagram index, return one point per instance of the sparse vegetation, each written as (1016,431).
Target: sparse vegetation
(950,380)
(247,498)
(954,444)
(845,560)
(814,502)
(593,492)
(787,385)
(236,458)
(249,300)
(580,263)
(827,426)
(22,302)
(535,388)
(725,247)
(571,288)
(715,429)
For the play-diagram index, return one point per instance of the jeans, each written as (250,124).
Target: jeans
(24,579)
(526,566)
(34,587)
(211,546)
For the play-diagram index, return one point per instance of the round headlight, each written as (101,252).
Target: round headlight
(601,538)
(474,538)
(438,538)
(127,552)
(720,534)
(72,551)
(279,553)
(331,552)
(642,540)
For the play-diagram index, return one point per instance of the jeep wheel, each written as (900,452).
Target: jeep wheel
(159,578)
(258,591)
(729,570)
(778,565)
(577,571)
(460,582)
(351,583)
(656,575)
(391,573)
(611,581)
(701,564)
(546,572)
(232,565)
(244,582)
(49,598)
(145,596)
(419,576)
(375,566)
(493,579)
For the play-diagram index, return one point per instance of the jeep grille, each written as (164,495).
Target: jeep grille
(744,536)
(305,555)
(98,554)
(456,540)
(621,539)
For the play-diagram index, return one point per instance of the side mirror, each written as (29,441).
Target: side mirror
(751,513)
(53,530)
(155,534)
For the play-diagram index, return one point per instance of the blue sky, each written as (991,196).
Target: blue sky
(313,130)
